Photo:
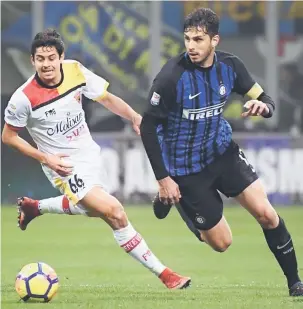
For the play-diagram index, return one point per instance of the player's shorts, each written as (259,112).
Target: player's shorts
(88,172)
(230,174)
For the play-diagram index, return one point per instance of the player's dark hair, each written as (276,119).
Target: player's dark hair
(203,18)
(49,37)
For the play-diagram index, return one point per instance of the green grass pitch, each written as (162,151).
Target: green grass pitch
(95,273)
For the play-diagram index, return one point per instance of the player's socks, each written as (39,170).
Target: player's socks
(59,205)
(133,243)
(281,245)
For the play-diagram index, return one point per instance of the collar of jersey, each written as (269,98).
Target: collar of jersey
(40,82)
(199,67)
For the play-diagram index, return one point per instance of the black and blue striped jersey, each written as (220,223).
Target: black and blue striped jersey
(187,101)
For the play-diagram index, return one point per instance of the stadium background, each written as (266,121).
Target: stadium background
(114,39)
(121,42)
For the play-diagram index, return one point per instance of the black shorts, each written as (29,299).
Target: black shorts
(230,174)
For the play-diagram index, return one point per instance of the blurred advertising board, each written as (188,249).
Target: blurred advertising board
(278,160)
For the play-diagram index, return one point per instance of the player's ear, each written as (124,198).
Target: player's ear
(32,60)
(62,56)
(215,40)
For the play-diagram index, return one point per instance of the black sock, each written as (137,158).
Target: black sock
(280,244)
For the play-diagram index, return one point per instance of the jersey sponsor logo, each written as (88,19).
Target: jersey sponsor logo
(74,134)
(50,112)
(193,96)
(155,100)
(202,113)
(66,125)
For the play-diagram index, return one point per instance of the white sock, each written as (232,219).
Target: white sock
(60,205)
(133,243)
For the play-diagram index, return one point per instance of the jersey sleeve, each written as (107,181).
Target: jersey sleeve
(17,111)
(96,86)
(162,95)
(244,83)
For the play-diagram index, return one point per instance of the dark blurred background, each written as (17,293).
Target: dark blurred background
(126,43)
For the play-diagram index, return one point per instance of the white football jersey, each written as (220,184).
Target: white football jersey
(53,115)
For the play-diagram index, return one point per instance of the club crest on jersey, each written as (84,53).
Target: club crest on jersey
(155,100)
(222,90)
(78,97)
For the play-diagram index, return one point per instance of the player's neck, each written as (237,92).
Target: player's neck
(51,83)
(209,61)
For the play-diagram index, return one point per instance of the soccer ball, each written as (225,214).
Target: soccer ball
(37,282)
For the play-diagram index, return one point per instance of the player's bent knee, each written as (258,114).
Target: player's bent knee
(117,217)
(222,246)
(268,217)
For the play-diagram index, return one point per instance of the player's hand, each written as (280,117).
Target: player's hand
(169,192)
(57,164)
(136,123)
(255,108)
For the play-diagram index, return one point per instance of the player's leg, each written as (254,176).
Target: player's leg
(238,179)
(111,211)
(70,187)
(29,209)
(202,209)
(278,238)
(98,203)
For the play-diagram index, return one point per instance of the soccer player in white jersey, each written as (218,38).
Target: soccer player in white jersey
(49,105)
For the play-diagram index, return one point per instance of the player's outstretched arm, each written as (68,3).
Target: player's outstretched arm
(122,109)
(260,104)
(11,138)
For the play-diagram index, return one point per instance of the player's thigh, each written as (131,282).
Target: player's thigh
(201,203)
(219,237)
(236,173)
(189,222)
(85,187)
(204,209)
(240,180)
(103,204)
(254,200)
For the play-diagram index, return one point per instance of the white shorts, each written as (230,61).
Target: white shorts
(87,173)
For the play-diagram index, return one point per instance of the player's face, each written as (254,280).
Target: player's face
(200,46)
(47,64)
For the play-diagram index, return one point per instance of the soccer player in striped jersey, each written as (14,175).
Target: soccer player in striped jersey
(190,146)
(49,106)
